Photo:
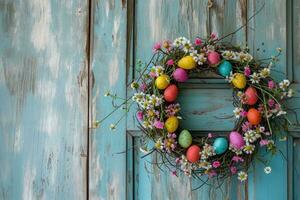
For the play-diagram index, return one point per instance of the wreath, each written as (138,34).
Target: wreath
(258,100)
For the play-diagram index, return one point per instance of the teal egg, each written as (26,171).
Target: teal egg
(185,139)
(220,145)
(225,68)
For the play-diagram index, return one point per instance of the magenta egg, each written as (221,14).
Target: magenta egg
(236,140)
(213,58)
(180,75)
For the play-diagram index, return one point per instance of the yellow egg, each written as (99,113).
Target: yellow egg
(171,124)
(187,62)
(239,80)
(162,81)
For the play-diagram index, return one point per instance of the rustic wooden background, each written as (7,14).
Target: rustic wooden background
(58,58)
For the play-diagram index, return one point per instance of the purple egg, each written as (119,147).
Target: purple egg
(236,140)
(180,75)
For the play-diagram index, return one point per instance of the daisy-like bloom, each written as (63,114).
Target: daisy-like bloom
(251,136)
(245,57)
(187,47)
(242,176)
(157,70)
(159,144)
(147,124)
(237,112)
(199,58)
(172,109)
(284,84)
(170,142)
(134,85)
(268,170)
(254,78)
(180,41)
(248,148)
(265,72)
(229,55)
(229,78)
(185,166)
(235,150)
(112,127)
(208,151)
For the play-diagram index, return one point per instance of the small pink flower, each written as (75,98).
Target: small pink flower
(237,159)
(156,47)
(246,126)
(243,113)
(170,62)
(267,133)
(233,170)
(264,142)
(271,102)
(174,173)
(277,106)
(140,115)
(152,74)
(177,160)
(198,42)
(213,35)
(212,173)
(247,71)
(143,87)
(209,135)
(271,84)
(158,124)
(216,164)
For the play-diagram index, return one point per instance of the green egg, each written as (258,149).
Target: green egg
(185,139)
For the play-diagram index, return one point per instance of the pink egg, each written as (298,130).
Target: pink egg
(213,58)
(180,75)
(170,93)
(251,95)
(236,140)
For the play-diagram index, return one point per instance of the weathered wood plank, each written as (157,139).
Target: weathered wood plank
(43,110)
(107,166)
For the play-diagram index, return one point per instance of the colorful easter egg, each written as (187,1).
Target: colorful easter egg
(236,140)
(185,139)
(193,153)
(253,116)
(180,75)
(171,124)
(170,93)
(220,145)
(162,81)
(213,58)
(225,68)
(251,95)
(187,62)
(239,80)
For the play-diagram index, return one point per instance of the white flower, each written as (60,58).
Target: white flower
(229,55)
(251,136)
(134,85)
(199,58)
(281,112)
(159,144)
(242,176)
(284,84)
(290,93)
(248,148)
(254,78)
(265,72)
(268,170)
(207,151)
(235,150)
(157,70)
(229,78)
(245,57)
(237,112)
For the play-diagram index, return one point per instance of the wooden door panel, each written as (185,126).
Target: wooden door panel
(43,91)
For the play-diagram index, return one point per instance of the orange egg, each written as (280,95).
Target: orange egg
(193,153)
(253,116)
(170,93)
(251,95)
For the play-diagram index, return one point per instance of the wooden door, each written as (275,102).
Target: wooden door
(206,99)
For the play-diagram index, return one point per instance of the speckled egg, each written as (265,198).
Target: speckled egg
(225,68)
(236,140)
(253,116)
(220,145)
(171,124)
(251,95)
(187,62)
(213,58)
(185,139)
(180,75)
(170,93)
(193,153)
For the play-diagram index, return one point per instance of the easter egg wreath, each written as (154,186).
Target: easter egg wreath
(257,97)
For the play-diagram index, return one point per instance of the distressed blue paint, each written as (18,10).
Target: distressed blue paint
(43,110)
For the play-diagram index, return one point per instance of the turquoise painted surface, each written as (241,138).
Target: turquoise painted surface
(43,95)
